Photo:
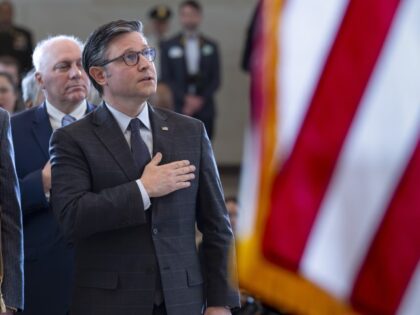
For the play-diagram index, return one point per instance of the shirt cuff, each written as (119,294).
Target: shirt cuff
(144,195)
(47,196)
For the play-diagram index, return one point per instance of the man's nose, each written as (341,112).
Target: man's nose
(75,72)
(143,63)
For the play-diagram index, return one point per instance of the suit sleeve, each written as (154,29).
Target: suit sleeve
(11,221)
(33,196)
(80,211)
(218,242)
(31,186)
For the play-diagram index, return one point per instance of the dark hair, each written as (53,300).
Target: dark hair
(191,3)
(98,41)
(9,78)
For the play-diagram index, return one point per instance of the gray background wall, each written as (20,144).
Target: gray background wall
(226,21)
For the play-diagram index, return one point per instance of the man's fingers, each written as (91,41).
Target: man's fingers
(156,159)
(178,164)
(184,178)
(184,170)
(181,185)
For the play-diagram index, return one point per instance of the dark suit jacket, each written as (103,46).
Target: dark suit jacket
(175,74)
(100,208)
(11,245)
(16,42)
(48,258)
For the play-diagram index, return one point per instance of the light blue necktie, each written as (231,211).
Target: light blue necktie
(67,120)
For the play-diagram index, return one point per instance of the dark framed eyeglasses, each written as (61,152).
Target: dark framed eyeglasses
(132,58)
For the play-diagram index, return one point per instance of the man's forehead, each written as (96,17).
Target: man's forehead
(62,50)
(123,42)
(62,45)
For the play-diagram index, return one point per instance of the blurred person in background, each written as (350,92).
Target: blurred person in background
(190,65)
(8,92)
(157,32)
(32,94)
(160,17)
(15,41)
(163,97)
(158,29)
(10,65)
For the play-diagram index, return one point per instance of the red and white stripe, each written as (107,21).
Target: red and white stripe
(345,207)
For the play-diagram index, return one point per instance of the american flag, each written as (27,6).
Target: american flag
(330,204)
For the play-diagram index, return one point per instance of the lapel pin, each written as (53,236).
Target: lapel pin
(165,128)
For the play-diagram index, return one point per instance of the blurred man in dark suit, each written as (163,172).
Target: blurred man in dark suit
(16,42)
(11,245)
(129,183)
(158,29)
(190,65)
(48,258)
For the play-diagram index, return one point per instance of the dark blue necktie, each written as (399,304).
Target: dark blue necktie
(142,157)
(138,147)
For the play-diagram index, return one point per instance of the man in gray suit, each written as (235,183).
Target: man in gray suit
(11,245)
(132,217)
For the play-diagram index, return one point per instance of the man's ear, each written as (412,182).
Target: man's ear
(98,74)
(39,80)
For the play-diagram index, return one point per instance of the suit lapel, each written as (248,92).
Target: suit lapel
(161,131)
(110,134)
(181,41)
(202,59)
(42,129)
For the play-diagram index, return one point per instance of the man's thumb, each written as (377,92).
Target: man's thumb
(156,159)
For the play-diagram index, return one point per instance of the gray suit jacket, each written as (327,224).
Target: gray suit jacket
(119,252)
(11,220)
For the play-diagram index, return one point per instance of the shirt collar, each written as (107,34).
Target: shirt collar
(123,120)
(57,115)
(191,35)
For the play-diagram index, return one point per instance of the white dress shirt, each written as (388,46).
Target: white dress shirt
(123,121)
(55,115)
(192,53)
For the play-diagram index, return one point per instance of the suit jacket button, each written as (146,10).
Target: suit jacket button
(155,230)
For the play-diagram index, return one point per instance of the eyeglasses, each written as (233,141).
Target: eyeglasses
(132,58)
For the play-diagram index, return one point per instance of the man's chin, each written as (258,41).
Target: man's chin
(77,98)
(149,93)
